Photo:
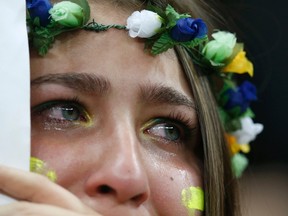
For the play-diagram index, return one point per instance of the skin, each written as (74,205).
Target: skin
(114,158)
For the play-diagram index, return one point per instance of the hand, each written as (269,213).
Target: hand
(37,195)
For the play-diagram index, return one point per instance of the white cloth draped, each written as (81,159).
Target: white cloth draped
(14,87)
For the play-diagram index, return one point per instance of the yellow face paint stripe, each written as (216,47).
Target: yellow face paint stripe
(39,166)
(193,199)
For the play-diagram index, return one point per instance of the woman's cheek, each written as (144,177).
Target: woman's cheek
(57,154)
(167,184)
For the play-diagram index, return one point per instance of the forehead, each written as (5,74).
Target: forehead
(112,54)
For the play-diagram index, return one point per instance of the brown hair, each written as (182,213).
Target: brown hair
(221,197)
(219,184)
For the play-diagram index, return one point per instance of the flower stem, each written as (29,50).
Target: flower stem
(94,26)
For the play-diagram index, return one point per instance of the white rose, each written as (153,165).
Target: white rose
(143,24)
(248,132)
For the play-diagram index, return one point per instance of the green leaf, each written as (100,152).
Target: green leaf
(222,97)
(28,17)
(235,112)
(86,9)
(230,124)
(223,115)
(239,163)
(248,113)
(216,64)
(162,44)
(42,44)
(173,16)
(195,42)
(43,39)
(184,16)
(36,21)
(171,13)
(228,84)
(233,125)
(42,32)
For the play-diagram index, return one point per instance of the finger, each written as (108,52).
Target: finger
(32,209)
(36,188)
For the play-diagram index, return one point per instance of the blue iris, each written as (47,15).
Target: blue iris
(241,97)
(186,29)
(39,8)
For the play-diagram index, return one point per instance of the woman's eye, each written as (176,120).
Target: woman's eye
(166,130)
(60,115)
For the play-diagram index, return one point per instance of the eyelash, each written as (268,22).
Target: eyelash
(183,120)
(179,120)
(48,104)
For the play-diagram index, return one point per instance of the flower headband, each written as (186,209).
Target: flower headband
(163,29)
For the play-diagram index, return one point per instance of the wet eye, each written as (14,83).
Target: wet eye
(68,113)
(60,115)
(63,113)
(166,130)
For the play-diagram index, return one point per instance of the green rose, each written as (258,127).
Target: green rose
(67,14)
(221,48)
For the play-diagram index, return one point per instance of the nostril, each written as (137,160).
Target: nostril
(105,189)
(139,198)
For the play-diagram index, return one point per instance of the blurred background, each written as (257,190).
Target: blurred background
(263,26)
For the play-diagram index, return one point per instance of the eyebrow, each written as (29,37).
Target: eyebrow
(91,84)
(161,94)
(83,82)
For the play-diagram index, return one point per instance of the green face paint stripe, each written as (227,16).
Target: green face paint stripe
(193,198)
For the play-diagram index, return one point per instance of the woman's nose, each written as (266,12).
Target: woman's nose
(120,175)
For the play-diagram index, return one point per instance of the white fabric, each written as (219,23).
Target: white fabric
(14,87)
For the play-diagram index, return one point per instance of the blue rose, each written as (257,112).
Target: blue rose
(186,29)
(39,8)
(241,97)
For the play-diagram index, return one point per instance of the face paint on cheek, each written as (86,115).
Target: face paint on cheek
(40,167)
(193,199)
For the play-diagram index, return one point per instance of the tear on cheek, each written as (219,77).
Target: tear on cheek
(193,199)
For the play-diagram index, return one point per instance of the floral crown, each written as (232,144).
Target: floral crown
(162,30)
